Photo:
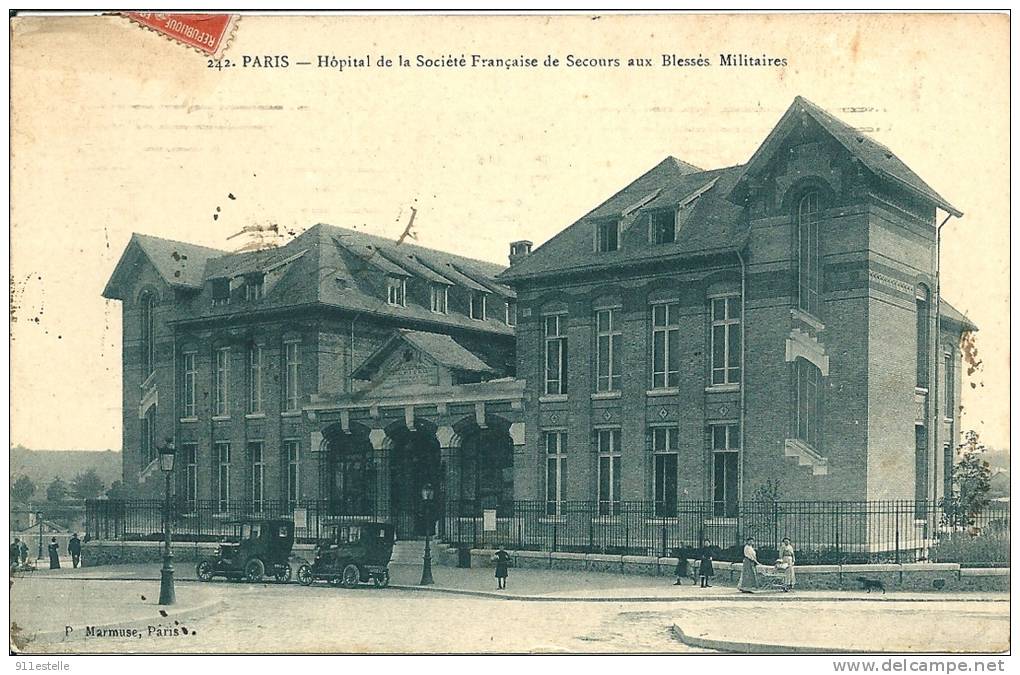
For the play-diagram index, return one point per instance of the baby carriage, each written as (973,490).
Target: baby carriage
(772,578)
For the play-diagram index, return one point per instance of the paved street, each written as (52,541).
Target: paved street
(590,613)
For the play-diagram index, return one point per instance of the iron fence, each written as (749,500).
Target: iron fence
(822,532)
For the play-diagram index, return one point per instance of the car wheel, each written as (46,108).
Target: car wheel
(254,570)
(283,573)
(204,571)
(304,575)
(351,576)
(382,580)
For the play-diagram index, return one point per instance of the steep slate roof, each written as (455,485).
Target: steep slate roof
(708,220)
(879,159)
(707,223)
(177,262)
(442,349)
(949,313)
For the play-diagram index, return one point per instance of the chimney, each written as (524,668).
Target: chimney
(519,250)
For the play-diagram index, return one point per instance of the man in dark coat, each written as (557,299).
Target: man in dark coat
(74,548)
(15,552)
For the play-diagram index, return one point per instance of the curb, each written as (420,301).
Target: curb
(743,647)
(660,598)
(59,637)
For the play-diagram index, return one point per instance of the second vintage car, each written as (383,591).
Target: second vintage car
(353,554)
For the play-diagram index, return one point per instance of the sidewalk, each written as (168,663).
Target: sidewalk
(54,606)
(849,628)
(549,585)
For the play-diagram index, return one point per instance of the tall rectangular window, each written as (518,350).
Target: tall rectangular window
(808,403)
(255,379)
(725,469)
(396,291)
(438,296)
(923,338)
(950,396)
(665,447)
(608,354)
(220,291)
(555,355)
(478,305)
(189,455)
(726,340)
(511,312)
(665,345)
(148,331)
(148,436)
(663,225)
(607,236)
(258,473)
(221,384)
(555,471)
(190,377)
(222,453)
(920,471)
(809,273)
(291,391)
(608,441)
(292,492)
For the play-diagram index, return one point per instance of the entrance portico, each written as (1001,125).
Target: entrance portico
(376,451)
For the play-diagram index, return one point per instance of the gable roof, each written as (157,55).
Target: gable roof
(948,313)
(442,349)
(707,223)
(178,263)
(876,157)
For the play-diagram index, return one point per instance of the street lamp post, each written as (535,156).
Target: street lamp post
(166,574)
(427,495)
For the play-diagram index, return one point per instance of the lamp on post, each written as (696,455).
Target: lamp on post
(427,495)
(166,575)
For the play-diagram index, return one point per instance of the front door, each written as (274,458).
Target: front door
(415,463)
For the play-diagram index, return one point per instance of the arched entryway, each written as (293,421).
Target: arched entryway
(414,462)
(485,468)
(348,472)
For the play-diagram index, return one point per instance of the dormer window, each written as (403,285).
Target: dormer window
(438,296)
(220,291)
(254,287)
(607,236)
(663,227)
(396,291)
(511,312)
(478,306)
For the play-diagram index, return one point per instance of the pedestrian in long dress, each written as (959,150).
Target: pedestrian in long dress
(788,559)
(682,570)
(24,553)
(502,560)
(749,572)
(705,568)
(53,548)
(74,548)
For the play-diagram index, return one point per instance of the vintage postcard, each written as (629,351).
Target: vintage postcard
(637,333)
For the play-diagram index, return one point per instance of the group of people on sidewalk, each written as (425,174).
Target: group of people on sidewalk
(749,581)
(19,552)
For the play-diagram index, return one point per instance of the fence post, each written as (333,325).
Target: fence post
(897,542)
(664,549)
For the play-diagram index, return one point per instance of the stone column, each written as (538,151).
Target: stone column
(380,455)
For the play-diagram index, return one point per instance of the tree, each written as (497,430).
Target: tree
(87,485)
(972,477)
(22,489)
(118,491)
(56,491)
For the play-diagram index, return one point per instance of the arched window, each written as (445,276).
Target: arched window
(808,403)
(809,276)
(923,336)
(147,303)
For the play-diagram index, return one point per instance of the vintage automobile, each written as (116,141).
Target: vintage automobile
(259,547)
(353,554)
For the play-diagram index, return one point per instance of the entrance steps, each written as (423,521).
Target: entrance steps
(410,551)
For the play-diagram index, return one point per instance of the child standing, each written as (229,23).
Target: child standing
(502,560)
(681,570)
(705,568)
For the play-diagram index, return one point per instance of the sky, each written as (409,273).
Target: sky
(116,129)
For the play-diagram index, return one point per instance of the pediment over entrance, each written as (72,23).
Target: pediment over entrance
(417,359)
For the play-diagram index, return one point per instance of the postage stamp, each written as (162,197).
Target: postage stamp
(208,33)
